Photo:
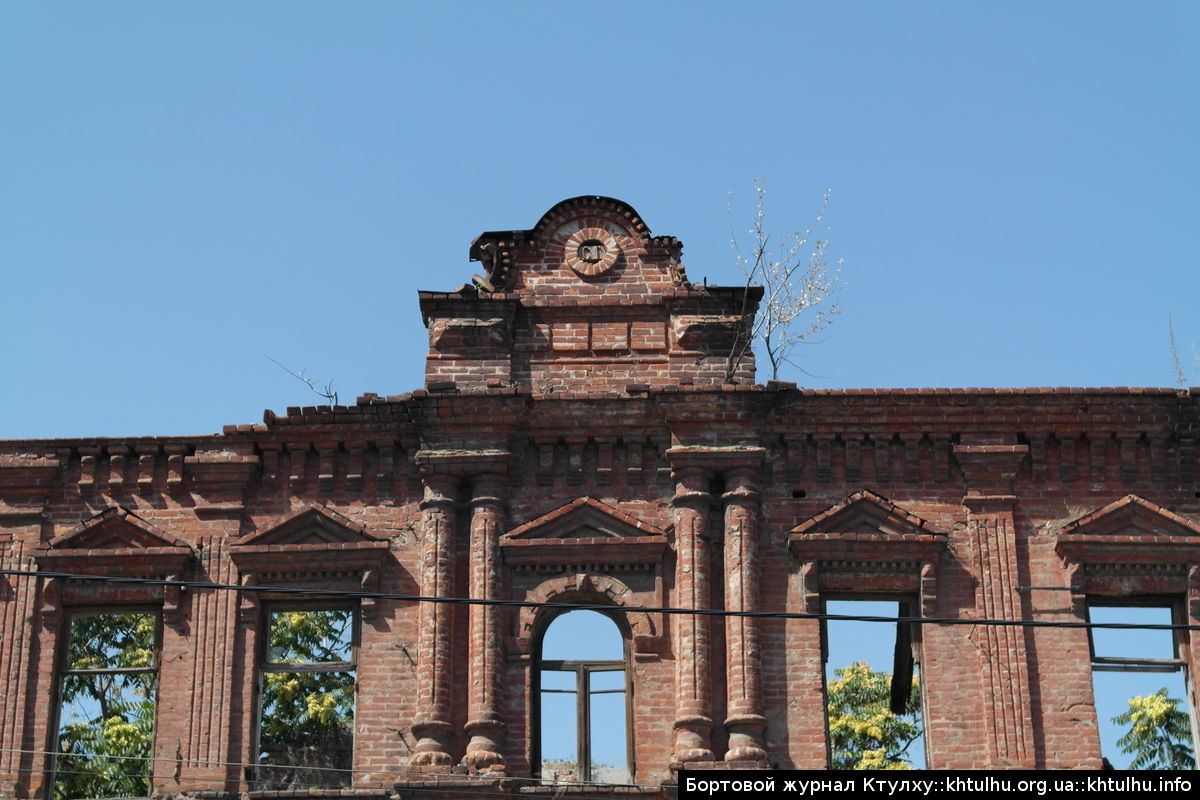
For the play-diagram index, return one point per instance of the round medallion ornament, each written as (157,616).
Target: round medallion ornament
(591,251)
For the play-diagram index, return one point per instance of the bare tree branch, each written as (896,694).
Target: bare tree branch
(797,279)
(329,394)
(1176,367)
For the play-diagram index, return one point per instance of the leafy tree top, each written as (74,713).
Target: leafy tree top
(1160,734)
(864,733)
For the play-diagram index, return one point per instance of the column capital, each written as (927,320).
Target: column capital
(462,463)
(489,489)
(441,491)
(741,485)
(716,459)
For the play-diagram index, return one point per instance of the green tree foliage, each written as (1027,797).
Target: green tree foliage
(306,730)
(864,733)
(106,725)
(1160,734)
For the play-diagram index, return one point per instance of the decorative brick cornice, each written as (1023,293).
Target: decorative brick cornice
(27,476)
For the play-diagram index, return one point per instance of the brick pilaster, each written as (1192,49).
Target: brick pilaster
(432,726)
(745,720)
(693,686)
(989,471)
(486,725)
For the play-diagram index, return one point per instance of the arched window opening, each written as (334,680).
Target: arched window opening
(583,701)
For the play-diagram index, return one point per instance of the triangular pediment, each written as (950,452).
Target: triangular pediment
(865,512)
(317,525)
(1131,518)
(114,529)
(585,518)
(584,531)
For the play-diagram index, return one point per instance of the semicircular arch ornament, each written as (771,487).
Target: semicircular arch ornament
(583,588)
(591,251)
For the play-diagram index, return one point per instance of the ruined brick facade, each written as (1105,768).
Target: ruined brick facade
(581,439)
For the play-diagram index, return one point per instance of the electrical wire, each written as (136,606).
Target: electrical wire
(429,782)
(478,784)
(708,612)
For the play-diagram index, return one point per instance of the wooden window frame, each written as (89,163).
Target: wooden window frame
(583,669)
(266,666)
(1179,645)
(62,657)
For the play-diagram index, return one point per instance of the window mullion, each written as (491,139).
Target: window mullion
(583,723)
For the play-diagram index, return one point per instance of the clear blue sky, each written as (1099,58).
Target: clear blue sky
(186,188)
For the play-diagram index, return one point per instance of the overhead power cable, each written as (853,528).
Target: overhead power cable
(428,782)
(601,607)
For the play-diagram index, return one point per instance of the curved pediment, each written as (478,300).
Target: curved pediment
(598,240)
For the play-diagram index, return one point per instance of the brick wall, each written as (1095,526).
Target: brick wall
(561,402)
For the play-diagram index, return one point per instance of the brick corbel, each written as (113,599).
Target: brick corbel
(463,463)
(221,477)
(1193,594)
(25,485)
(990,469)
(716,459)
(810,586)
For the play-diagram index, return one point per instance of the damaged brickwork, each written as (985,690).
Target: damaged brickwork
(576,441)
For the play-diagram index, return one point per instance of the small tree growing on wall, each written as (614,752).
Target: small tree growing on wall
(798,283)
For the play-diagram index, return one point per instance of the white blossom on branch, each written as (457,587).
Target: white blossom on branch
(798,283)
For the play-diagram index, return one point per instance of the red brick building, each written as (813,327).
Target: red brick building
(581,439)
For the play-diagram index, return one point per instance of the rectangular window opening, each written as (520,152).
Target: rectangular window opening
(1140,684)
(307,691)
(107,694)
(583,722)
(872,687)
